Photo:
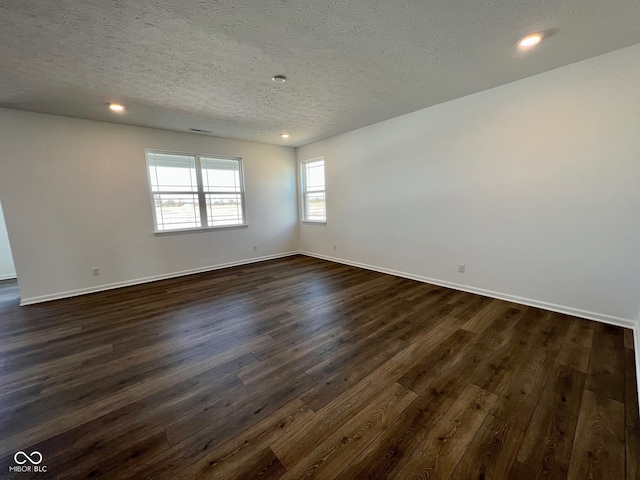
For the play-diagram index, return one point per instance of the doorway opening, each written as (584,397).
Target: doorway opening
(9,291)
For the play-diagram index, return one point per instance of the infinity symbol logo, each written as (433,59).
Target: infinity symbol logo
(30,458)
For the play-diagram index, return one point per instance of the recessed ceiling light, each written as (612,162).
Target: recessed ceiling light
(279,78)
(530,40)
(116,107)
(285,135)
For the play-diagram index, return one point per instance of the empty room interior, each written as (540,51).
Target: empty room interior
(319,239)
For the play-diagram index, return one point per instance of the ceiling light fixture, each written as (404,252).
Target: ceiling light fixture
(116,107)
(285,135)
(530,40)
(279,78)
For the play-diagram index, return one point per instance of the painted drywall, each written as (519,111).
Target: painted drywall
(7,269)
(75,196)
(534,186)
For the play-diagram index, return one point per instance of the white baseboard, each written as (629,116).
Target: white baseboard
(8,276)
(138,281)
(576,312)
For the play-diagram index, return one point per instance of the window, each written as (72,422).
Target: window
(313,193)
(195,191)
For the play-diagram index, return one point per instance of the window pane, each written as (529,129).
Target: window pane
(195,191)
(315,206)
(176,211)
(314,176)
(172,173)
(220,174)
(224,209)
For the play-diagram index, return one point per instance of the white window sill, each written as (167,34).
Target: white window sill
(159,233)
(313,222)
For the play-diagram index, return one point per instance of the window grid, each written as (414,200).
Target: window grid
(195,191)
(313,191)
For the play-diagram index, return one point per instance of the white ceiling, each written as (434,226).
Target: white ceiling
(208,64)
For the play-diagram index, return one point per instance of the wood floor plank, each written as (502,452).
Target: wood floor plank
(230,459)
(420,375)
(575,357)
(576,346)
(556,327)
(579,332)
(263,465)
(466,307)
(344,346)
(78,394)
(251,402)
(301,340)
(218,429)
(125,431)
(426,340)
(12,345)
(89,441)
(446,387)
(491,453)
(632,447)
(487,315)
(336,377)
(598,449)
(533,320)
(546,447)
(258,370)
(331,456)
(499,368)
(632,414)
(61,423)
(290,368)
(295,444)
(499,327)
(439,452)
(117,455)
(519,399)
(386,452)
(606,363)
(628,339)
(11,382)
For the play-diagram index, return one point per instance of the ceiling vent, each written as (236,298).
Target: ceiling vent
(197,130)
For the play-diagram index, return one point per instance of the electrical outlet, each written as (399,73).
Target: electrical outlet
(461,267)
(96,271)
(255,248)
(334,247)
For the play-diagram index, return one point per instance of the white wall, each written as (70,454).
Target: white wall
(7,269)
(535,186)
(75,196)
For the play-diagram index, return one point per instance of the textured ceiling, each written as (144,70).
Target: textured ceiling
(208,64)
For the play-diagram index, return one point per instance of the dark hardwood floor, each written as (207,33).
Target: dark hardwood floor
(301,368)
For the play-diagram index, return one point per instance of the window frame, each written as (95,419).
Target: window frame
(200,193)
(304,191)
